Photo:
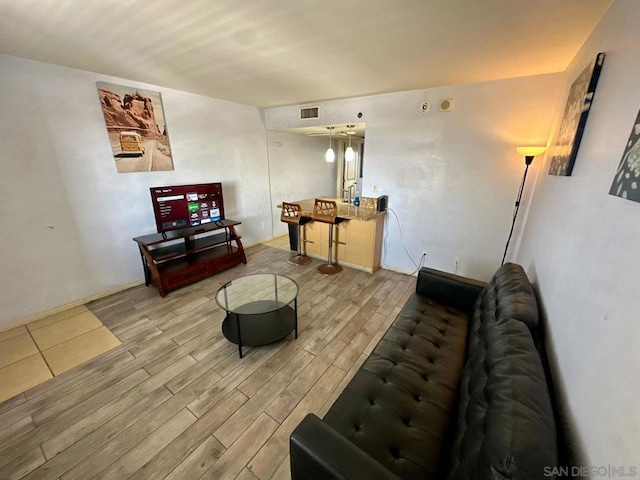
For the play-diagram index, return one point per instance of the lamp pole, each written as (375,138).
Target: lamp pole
(529,153)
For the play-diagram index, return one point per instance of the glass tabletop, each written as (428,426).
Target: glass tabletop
(256,294)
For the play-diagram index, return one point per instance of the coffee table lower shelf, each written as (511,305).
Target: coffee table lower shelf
(255,329)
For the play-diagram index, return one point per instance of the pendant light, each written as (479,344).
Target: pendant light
(350,153)
(330,156)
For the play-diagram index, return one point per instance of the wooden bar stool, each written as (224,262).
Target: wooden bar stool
(291,214)
(326,211)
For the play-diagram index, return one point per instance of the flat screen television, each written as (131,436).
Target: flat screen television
(183,206)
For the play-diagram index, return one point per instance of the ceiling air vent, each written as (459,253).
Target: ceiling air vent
(308,112)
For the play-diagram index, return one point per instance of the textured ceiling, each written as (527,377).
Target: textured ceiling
(279,52)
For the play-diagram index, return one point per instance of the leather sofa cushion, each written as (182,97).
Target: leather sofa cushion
(398,407)
(509,295)
(505,422)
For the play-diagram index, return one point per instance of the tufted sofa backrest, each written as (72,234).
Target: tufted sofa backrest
(505,426)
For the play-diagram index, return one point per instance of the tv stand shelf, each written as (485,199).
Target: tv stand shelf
(181,257)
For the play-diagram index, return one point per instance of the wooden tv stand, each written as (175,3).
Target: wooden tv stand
(181,257)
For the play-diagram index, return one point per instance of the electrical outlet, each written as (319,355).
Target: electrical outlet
(456,264)
(262,225)
(375,188)
(424,253)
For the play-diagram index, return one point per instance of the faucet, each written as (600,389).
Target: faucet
(351,192)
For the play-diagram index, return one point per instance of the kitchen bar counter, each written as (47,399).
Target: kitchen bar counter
(359,239)
(366,210)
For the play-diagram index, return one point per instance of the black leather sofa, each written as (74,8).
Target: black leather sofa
(455,389)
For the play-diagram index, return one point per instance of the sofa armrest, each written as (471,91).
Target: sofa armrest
(449,289)
(319,452)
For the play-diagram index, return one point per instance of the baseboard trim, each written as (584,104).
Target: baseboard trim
(412,273)
(67,306)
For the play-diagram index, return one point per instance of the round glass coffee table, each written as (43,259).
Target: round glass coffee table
(259,309)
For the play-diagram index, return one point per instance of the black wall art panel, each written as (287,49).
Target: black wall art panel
(626,182)
(574,119)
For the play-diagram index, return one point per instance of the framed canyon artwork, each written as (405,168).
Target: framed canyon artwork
(574,119)
(136,127)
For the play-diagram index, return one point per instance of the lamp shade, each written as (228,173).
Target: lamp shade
(330,156)
(349,154)
(531,151)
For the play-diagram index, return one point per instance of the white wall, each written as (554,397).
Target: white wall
(298,170)
(581,248)
(67,218)
(451,177)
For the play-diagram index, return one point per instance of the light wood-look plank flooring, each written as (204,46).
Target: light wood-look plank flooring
(174,400)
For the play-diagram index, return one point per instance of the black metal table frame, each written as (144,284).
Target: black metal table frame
(230,316)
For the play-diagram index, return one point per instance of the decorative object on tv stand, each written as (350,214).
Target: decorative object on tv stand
(330,156)
(574,119)
(528,153)
(136,127)
(350,153)
(626,182)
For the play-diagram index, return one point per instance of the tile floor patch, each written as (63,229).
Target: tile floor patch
(65,339)
(65,329)
(71,353)
(43,322)
(22,375)
(14,332)
(16,348)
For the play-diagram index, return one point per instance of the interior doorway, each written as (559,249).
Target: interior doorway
(350,165)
